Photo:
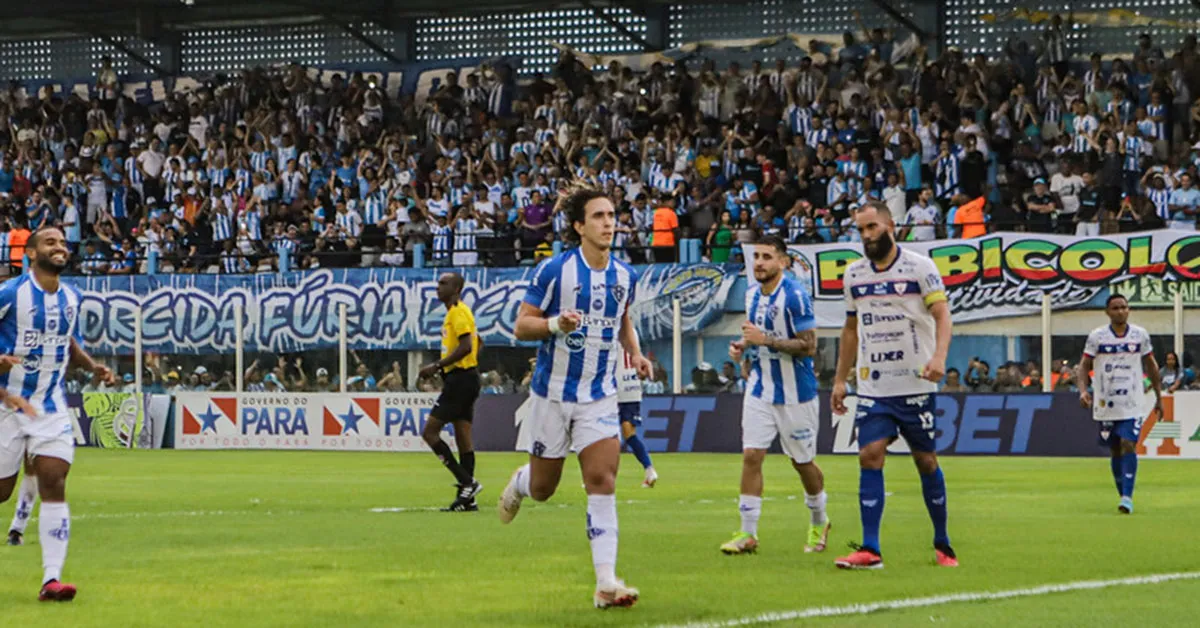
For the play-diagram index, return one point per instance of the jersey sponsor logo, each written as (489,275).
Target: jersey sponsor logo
(919,400)
(869,319)
(883,336)
(603,322)
(886,356)
(34,338)
(576,341)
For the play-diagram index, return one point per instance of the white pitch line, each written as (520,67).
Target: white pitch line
(936,600)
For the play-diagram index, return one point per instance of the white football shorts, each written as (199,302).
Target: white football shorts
(557,427)
(51,435)
(795,424)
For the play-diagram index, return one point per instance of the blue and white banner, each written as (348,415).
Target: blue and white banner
(418,78)
(394,308)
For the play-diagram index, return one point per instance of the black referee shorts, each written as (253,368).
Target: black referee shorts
(460,389)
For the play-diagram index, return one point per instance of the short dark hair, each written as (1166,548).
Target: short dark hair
(1111,298)
(774,242)
(574,205)
(31,243)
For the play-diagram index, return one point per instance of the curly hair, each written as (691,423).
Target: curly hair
(573,200)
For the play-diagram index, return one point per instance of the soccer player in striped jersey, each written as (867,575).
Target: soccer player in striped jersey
(897,332)
(629,404)
(1121,356)
(577,307)
(39,324)
(778,341)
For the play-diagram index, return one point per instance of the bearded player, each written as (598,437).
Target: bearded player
(578,308)
(897,332)
(39,323)
(778,341)
(1121,355)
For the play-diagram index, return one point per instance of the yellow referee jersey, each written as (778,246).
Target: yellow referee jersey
(459,321)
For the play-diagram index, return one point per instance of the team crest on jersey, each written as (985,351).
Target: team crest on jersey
(772,311)
(901,287)
(618,293)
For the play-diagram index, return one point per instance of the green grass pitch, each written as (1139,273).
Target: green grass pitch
(177,538)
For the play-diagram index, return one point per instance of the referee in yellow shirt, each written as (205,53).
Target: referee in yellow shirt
(460,389)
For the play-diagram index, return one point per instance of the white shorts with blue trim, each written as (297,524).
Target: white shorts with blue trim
(795,424)
(556,427)
(51,435)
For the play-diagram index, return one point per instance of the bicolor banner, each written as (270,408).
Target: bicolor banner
(1005,274)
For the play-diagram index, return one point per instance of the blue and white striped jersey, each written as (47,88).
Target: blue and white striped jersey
(37,326)
(776,377)
(464,234)
(441,240)
(222,225)
(580,367)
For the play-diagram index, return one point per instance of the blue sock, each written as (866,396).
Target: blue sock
(1128,474)
(639,450)
(1115,462)
(870,505)
(933,486)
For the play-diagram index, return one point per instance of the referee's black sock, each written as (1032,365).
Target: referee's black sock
(442,451)
(468,462)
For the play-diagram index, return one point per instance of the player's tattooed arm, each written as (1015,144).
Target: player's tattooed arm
(804,345)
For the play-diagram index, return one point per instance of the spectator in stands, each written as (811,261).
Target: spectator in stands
(978,376)
(953,382)
(1175,375)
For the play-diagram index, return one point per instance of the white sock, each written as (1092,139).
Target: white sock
(523,481)
(602,532)
(54,530)
(751,508)
(26,495)
(816,505)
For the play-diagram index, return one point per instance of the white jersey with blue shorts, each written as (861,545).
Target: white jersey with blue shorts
(629,391)
(781,392)
(37,326)
(1118,396)
(574,384)
(897,336)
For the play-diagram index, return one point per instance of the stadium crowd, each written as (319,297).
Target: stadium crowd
(228,176)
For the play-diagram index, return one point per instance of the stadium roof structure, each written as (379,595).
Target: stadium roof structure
(150,19)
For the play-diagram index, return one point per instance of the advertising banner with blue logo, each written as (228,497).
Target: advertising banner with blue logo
(1005,274)
(331,421)
(1020,424)
(393,308)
